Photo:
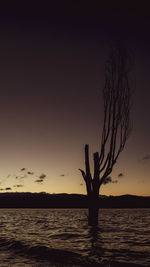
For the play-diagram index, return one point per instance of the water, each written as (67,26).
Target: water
(61,237)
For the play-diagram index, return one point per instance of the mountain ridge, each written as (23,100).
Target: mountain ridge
(64,200)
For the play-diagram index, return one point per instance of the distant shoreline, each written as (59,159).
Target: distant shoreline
(44,200)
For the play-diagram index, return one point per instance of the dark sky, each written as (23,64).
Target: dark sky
(52,61)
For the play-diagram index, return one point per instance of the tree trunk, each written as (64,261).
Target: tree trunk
(93,210)
(93,216)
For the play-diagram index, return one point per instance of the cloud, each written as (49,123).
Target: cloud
(30,173)
(63,174)
(23,169)
(147,157)
(39,181)
(18,185)
(114,181)
(2,189)
(8,188)
(120,175)
(109,180)
(42,176)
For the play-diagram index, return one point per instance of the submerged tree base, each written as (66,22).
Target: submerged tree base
(93,216)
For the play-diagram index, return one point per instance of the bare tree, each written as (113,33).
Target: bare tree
(116,126)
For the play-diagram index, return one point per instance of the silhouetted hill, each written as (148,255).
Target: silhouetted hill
(44,200)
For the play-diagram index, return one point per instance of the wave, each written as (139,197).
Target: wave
(65,236)
(41,252)
(56,256)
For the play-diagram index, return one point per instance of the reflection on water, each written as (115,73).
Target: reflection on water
(48,237)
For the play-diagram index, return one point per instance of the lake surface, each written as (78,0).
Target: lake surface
(61,237)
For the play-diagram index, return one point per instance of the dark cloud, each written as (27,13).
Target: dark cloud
(30,173)
(18,185)
(147,157)
(8,188)
(63,174)
(23,169)
(120,175)
(109,180)
(39,181)
(114,182)
(42,176)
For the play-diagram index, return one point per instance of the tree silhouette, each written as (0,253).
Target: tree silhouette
(116,126)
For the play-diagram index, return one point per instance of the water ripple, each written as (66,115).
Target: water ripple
(122,236)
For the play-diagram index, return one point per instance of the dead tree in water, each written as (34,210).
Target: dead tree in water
(116,126)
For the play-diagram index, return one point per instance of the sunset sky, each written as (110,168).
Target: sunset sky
(52,62)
